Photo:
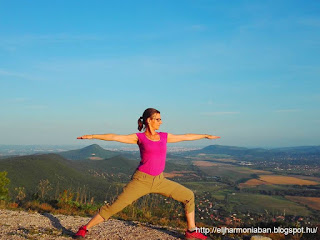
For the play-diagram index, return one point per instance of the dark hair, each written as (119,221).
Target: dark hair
(142,121)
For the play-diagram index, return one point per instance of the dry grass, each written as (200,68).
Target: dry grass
(205,164)
(226,160)
(95,158)
(312,202)
(255,171)
(177,174)
(277,179)
(252,183)
(316,179)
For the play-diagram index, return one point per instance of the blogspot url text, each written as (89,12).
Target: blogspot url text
(255,230)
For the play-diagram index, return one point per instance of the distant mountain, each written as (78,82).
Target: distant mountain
(92,152)
(27,171)
(228,150)
(298,155)
(232,150)
(302,149)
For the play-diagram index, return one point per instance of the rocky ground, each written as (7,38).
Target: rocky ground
(30,225)
(26,225)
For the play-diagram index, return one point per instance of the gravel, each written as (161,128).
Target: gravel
(29,225)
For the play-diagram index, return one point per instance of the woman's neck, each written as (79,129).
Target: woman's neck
(150,132)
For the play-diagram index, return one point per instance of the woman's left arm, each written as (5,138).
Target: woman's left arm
(188,137)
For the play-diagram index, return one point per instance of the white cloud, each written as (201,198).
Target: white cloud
(218,113)
(287,110)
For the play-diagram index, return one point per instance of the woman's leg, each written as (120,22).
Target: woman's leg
(135,189)
(190,220)
(94,221)
(180,193)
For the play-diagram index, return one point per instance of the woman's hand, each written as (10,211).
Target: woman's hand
(85,137)
(212,137)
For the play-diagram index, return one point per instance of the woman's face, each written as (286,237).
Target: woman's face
(155,121)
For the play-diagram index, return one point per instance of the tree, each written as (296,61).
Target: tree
(4,181)
(44,187)
(21,194)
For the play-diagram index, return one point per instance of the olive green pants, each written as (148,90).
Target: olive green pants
(142,184)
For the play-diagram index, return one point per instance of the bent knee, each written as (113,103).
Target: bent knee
(189,196)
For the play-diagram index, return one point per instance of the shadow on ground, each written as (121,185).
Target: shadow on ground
(56,223)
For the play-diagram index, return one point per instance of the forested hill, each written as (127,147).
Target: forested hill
(27,171)
(92,152)
(299,155)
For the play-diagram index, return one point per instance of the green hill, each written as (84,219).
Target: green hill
(117,164)
(92,152)
(27,171)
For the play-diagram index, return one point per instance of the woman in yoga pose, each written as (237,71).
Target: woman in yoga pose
(148,178)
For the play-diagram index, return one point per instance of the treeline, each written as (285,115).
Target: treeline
(297,190)
(152,208)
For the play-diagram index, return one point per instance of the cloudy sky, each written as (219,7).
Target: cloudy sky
(247,71)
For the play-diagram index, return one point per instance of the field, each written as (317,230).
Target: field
(221,194)
(204,164)
(262,203)
(312,202)
(227,171)
(235,201)
(95,158)
(255,171)
(252,183)
(277,179)
(316,179)
(216,157)
(200,187)
(179,174)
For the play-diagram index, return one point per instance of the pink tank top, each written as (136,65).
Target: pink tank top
(152,153)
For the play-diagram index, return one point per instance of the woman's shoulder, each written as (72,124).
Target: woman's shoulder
(165,134)
(140,134)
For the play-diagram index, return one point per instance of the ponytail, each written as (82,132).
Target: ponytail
(140,123)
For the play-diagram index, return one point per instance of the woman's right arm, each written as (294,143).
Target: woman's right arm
(130,139)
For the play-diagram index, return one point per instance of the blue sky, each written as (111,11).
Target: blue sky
(247,71)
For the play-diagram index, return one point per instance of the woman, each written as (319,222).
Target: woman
(148,177)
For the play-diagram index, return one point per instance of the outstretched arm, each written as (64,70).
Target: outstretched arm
(130,139)
(188,137)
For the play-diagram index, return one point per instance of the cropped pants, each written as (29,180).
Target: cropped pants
(142,184)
